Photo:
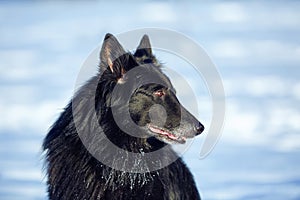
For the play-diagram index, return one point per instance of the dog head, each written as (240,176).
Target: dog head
(143,91)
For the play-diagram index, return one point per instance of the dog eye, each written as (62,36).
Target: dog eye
(159,93)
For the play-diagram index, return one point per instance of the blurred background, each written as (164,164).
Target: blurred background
(255,45)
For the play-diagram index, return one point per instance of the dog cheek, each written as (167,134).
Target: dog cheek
(158,115)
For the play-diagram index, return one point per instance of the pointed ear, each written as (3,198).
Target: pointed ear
(144,48)
(110,51)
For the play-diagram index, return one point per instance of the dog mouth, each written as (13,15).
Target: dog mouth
(162,133)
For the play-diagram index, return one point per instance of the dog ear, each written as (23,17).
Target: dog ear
(144,48)
(144,54)
(110,51)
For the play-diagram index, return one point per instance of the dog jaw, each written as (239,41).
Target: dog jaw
(165,135)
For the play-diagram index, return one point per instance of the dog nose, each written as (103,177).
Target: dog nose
(199,129)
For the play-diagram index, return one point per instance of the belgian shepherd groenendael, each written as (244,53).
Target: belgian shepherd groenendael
(81,162)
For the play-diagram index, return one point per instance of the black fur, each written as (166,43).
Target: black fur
(74,173)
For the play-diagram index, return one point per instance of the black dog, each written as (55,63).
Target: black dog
(111,141)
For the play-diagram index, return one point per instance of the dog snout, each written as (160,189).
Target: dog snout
(199,128)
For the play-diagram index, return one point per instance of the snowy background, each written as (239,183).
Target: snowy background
(254,44)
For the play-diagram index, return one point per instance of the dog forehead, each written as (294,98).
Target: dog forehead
(152,74)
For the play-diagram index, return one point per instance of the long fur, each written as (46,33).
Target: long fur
(74,173)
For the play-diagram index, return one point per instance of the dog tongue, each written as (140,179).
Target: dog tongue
(162,132)
(166,133)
